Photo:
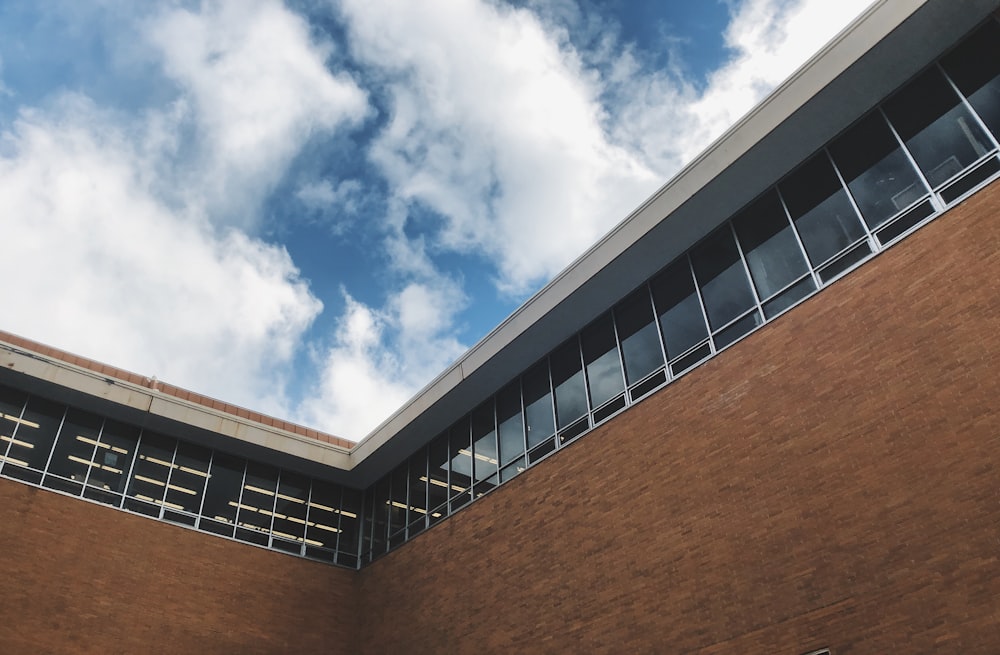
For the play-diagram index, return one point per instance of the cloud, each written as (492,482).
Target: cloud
(112,273)
(380,357)
(259,88)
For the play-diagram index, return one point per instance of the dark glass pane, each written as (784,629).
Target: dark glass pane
(510,471)
(290,509)
(399,481)
(974,66)
(32,441)
(484,447)
(823,215)
(600,355)
(151,469)
(188,478)
(75,445)
(460,457)
(222,496)
(676,300)
(113,459)
(380,534)
(739,328)
(510,423)
(438,459)
(936,127)
(418,489)
(567,380)
(349,521)
(322,527)
(257,506)
(538,404)
(637,331)
(773,254)
(880,177)
(367,524)
(721,278)
(789,297)
(11,405)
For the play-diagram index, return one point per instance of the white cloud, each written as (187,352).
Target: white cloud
(108,271)
(259,89)
(379,358)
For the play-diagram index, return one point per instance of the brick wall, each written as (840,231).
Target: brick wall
(832,480)
(81,578)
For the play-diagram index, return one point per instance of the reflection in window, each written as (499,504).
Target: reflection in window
(323,521)
(484,448)
(257,504)
(769,245)
(823,215)
(510,423)
(437,470)
(880,177)
(187,483)
(637,331)
(222,496)
(32,442)
(936,127)
(974,67)
(460,456)
(567,380)
(149,474)
(676,300)
(538,405)
(417,514)
(350,516)
(74,451)
(600,354)
(290,506)
(722,278)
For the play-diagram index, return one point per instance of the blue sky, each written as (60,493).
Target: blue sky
(312,207)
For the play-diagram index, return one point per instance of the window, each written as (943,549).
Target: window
(567,380)
(510,425)
(974,67)
(149,474)
(681,318)
(604,368)
(484,448)
(936,127)
(637,331)
(222,496)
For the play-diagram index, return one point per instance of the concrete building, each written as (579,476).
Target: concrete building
(759,416)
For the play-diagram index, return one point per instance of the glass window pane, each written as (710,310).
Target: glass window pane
(150,471)
(33,438)
(74,449)
(823,215)
(399,481)
(600,355)
(418,490)
(769,245)
(380,535)
(538,404)
(974,66)
(11,405)
(637,331)
(567,379)
(324,517)
(936,127)
(460,456)
(114,456)
(349,521)
(222,495)
(484,448)
(367,524)
(676,300)
(290,507)
(188,478)
(721,278)
(437,490)
(510,423)
(880,177)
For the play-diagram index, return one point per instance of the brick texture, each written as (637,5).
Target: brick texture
(832,480)
(81,578)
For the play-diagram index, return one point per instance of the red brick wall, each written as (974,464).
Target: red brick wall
(81,578)
(832,480)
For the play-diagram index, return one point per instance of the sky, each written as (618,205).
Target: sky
(312,207)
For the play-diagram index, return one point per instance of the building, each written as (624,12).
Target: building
(775,385)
